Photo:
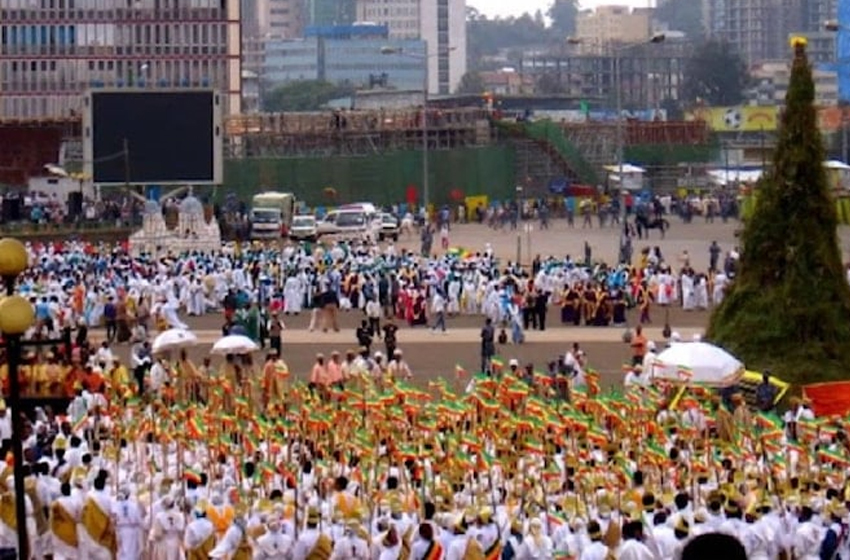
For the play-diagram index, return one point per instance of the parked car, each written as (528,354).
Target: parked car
(389,227)
(304,228)
(349,224)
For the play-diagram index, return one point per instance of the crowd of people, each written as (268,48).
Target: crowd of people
(164,458)
(239,462)
(75,287)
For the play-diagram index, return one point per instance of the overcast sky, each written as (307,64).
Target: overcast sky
(506,8)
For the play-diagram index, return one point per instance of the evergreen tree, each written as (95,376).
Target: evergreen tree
(789,307)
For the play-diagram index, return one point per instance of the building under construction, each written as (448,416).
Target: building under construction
(567,152)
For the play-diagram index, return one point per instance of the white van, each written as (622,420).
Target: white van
(350,222)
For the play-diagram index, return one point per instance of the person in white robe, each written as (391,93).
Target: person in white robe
(664,292)
(293,295)
(701,292)
(453,307)
(536,545)
(231,540)
(197,299)
(99,498)
(596,549)
(66,545)
(688,295)
(274,544)
(166,535)
(129,525)
(198,531)
(719,290)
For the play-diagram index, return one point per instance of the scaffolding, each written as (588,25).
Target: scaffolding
(353,133)
(598,143)
(273,135)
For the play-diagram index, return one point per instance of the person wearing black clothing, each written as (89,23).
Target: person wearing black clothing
(384,294)
(330,306)
(529,313)
(488,345)
(364,335)
(541,302)
(110,318)
(229,304)
(82,333)
(765,393)
(390,330)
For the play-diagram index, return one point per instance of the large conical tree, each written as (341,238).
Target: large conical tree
(789,307)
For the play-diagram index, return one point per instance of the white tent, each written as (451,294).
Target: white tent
(632,176)
(723,177)
(697,362)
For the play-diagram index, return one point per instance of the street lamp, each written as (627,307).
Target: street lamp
(618,78)
(832,25)
(16,316)
(388,50)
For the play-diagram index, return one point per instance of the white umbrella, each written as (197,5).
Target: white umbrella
(697,362)
(234,344)
(173,339)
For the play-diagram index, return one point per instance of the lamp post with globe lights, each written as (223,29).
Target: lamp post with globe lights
(16,317)
(618,52)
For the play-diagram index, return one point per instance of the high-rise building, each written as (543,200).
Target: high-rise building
(349,54)
(330,12)
(757,29)
(613,24)
(818,12)
(440,23)
(285,19)
(51,51)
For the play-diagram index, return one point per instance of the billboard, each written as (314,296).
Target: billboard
(162,137)
(743,118)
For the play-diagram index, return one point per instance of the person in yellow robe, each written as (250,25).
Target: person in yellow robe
(64,516)
(98,539)
(220,515)
(119,378)
(344,501)
(275,373)
(199,539)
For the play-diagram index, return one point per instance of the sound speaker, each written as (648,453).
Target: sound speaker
(12,209)
(75,204)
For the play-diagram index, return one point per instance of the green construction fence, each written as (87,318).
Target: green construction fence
(380,178)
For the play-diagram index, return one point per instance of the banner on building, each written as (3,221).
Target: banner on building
(745,118)
(830,119)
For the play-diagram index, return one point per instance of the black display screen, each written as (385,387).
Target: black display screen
(169,137)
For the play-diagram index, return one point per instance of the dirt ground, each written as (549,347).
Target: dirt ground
(437,354)
(434,356)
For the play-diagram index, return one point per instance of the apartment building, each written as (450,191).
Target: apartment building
(772,80)
(613,24)
(330,12)
(440,23)
(647,75)
(346,54)
(757,29)
(284,19)
(818,12)
(51,51)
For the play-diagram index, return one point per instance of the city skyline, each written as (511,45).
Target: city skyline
(505,8)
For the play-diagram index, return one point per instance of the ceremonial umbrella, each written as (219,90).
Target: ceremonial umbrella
(698,363)
(173,339)
(234,344)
